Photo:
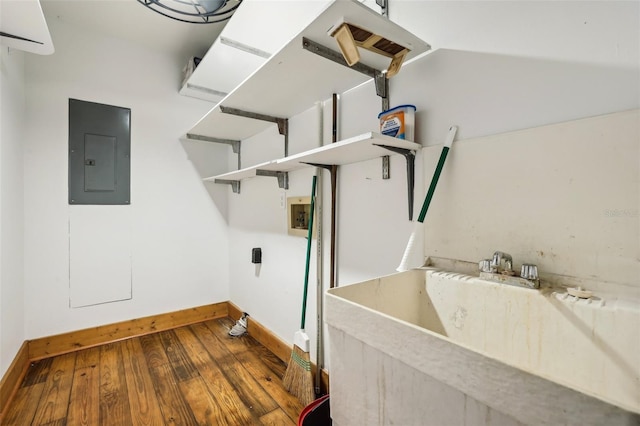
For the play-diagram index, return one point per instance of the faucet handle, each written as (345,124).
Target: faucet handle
(486,265)
(529,271)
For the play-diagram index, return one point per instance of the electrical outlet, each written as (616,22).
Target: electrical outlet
(283,201)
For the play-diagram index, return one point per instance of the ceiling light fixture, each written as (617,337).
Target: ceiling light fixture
(194,11)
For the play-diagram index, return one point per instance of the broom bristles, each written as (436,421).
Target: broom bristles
(298,379)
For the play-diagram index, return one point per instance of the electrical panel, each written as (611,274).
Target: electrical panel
(99,153)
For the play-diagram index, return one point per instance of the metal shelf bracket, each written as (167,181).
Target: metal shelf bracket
(235,144)
(235,147)
(282,123)
(380,79)
(410,157)
(283,177)
(235,184)
(384,7)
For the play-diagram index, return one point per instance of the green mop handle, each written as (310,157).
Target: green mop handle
(306,268)
(436,174)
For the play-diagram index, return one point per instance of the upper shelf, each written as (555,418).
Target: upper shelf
(293,79)
(220,71)
(24,27)
(359,148)
(257,30)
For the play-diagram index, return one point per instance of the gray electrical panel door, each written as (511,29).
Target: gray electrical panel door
(99,153)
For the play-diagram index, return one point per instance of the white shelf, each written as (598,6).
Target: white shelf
(293,79)
(359,148)
(219,72)
(257,29)
(247,172)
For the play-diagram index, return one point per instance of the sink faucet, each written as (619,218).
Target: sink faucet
(498,257)
(492,270)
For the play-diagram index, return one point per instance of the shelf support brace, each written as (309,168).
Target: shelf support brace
(380,79)
(235,184)
(333,169)
(384,6)
(235,144)
(283,177)
(410,156)
(322,166)
(382,90)
(283,123)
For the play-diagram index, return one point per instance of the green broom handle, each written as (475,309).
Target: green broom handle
(436,174)
(306,268)
(434,182)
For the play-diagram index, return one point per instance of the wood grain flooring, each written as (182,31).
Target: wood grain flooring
(192,375)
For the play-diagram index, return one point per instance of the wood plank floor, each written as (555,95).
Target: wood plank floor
(194,375)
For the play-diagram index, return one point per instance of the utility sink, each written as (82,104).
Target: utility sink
(457,349)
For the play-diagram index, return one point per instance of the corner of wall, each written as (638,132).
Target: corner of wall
(12,90)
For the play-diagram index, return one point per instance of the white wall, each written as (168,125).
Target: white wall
(483,94)
(499,66)
(273,293)
(565,197)
(179,238)
(12,104)
(596,32)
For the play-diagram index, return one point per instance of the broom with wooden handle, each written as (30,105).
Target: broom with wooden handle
(298,379)
(409,251)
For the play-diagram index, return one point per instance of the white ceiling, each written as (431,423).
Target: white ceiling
(130,20)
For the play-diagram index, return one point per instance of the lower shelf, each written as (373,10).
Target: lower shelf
(359,148)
